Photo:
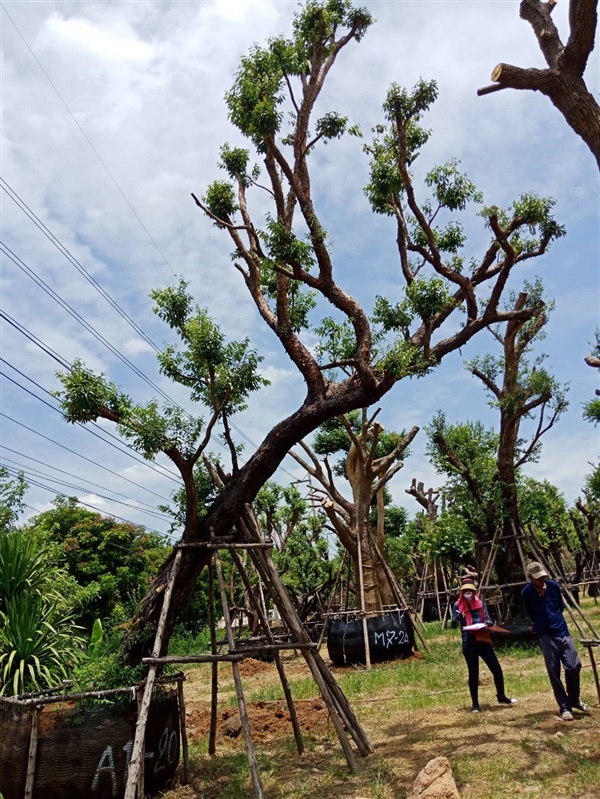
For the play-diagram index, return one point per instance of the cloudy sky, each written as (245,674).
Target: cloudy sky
(113,113)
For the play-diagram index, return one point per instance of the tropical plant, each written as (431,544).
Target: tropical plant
(39,644)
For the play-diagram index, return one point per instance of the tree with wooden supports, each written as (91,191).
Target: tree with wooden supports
(521,390)
(563,80)
(371,457)
(442,300)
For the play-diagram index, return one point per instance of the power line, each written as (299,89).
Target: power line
(79,455)
(165,473)
(31,475)
(64,251)
(109,173)
(69,474)
(34,339)
(78,318)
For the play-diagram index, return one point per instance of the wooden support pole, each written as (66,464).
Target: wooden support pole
(448,600)
(214,682)
(437,590)
(32,757)
(241,700)
(141,775)
(137,763)
(262,615)
(361,587)
(183,733)
(339,709)
(590,644)
(342,715)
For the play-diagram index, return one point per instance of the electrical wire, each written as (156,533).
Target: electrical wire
(34,474)
(164,473)
(3,447)
(81,269)
(85,136)
(79,455)
(78,318)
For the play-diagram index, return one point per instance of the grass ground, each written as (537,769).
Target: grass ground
(412,710)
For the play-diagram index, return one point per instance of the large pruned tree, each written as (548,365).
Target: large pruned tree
(562,81)
(371,456)
(286,261)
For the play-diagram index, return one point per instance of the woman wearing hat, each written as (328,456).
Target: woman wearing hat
(470,610)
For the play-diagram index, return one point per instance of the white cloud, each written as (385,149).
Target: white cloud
(146,82)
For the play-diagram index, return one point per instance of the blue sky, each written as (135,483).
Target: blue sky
(113,113)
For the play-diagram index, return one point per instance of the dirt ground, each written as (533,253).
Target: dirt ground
(525,747)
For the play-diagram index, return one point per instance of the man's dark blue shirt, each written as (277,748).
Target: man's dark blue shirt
(545,611)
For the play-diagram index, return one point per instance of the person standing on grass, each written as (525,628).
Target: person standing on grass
(544,604)
(468,610)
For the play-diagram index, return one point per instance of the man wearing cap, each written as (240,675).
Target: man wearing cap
(543,603)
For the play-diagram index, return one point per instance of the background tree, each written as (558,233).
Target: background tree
(12,492)
(519,389)
(288,257)
(110,563)
(562,82)
(370,457)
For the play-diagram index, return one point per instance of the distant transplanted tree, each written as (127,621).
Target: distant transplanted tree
(521,390)
(562,81)
(370,458)
(286,262)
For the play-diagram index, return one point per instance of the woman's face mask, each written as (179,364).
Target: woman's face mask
(468,595)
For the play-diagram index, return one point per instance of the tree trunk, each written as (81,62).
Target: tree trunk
(223,514)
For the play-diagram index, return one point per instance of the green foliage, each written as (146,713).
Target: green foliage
(217,373)
(11,498)
(111,561)
(255,99)
(543,509)
(86,394)
(23,566)
(535,213)
(38,644)
(452,189)
(220,201)
(591,411)
(427,297)
(39,640)
(403,110)
(303,563)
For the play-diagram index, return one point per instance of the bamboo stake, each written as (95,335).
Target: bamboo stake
(361,586)
(214,683)
(183,732)
(278,662)
(32,757)
(491,559)
(448,600)
(424,586)
(590,644)
(136,763)
(252,762)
